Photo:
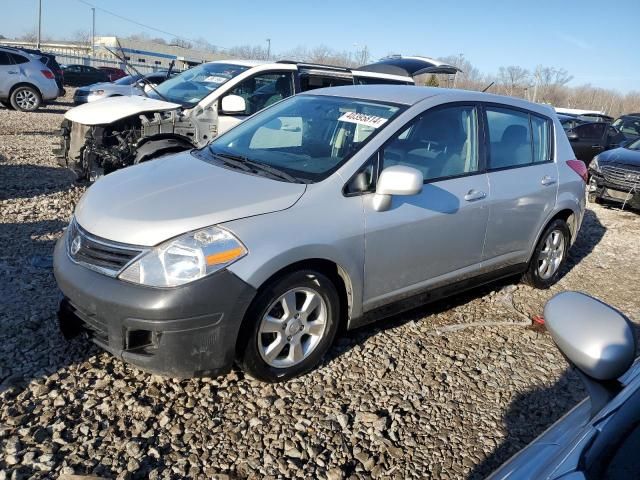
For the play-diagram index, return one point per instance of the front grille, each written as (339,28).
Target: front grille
(624,177)
(98,254)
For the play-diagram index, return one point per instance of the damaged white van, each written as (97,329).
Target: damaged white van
(192,108)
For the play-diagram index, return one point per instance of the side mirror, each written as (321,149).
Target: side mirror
(233,104)
(596,338)
(573,136)
(396,180)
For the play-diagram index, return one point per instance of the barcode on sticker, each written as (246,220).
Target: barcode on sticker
(363,119)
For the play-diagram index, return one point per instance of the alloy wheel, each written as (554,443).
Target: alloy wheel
(26,99)
(292,328)
(551,255)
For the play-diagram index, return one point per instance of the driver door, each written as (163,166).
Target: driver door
(258,91)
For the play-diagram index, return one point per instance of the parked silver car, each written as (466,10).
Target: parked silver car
(331,208)
(600,437)
(125,86)
(25,82)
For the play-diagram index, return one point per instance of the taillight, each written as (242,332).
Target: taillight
(47,74)
(580,168)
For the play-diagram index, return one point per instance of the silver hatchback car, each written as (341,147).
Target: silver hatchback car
(329,209)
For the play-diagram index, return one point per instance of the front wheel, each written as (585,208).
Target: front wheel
(289,327)
(25,99)
(549,255)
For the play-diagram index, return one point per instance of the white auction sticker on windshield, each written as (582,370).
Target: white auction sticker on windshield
(214,79)
(363,119)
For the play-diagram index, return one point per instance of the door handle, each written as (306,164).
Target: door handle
(547,180)
(473,195)
(596,146)
(13,72)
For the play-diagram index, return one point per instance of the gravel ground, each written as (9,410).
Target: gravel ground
(430,393)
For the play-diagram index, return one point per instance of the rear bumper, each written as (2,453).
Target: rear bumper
(180,332)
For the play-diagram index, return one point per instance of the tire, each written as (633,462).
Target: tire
(553,247)
(593,198)
(25,99)
(267,347)
(6,104)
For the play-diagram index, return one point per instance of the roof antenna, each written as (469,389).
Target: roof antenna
(488,87)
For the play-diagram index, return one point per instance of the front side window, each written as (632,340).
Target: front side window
(263,90)
(441,143)
(194,84)
(509,138)
(306,136)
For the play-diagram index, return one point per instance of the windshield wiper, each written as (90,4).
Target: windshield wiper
(245,162)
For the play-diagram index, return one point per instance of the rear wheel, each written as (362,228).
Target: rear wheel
(289,327)
(25,99)
(549,255)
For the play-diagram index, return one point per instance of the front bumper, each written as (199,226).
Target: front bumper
(180,332)
(80,98)
(613,192)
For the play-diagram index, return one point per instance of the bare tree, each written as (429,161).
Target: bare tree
(514,80)
(181,42)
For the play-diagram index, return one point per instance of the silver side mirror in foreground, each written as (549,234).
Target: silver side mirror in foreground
(596,338)
(233,104)
(396,180)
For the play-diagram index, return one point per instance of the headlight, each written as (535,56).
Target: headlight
(98,92)
(595,166)
(186,258)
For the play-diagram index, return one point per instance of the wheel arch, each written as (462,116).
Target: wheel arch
(566,213)
(332,270)
(24,84)
(165,142)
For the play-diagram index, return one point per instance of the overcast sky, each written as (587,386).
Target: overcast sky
(594,40)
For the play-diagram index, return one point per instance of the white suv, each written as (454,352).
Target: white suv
(25,82)
(194,107)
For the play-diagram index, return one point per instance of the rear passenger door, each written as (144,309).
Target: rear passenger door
(436,236)
(523,179)
(9,74)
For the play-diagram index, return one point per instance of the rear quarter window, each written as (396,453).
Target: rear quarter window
(19,58)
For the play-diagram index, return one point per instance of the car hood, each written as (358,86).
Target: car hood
(622,156)
(111,109)
(152,202)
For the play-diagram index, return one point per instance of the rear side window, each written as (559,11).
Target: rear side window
(19,58)
(509,138)
(441,143)
(541,134)
(5,59)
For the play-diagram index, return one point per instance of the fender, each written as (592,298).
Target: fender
(151,147)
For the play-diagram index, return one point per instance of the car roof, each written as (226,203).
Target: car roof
(411,95)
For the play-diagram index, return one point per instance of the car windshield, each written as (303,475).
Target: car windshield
(634,145)
(193,85)
(128,80)
(630,126)
(307,137)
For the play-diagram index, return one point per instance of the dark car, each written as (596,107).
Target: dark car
(81,75)
(113,73)
(628,125)
(615,175)
(600,437)
(590,139)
